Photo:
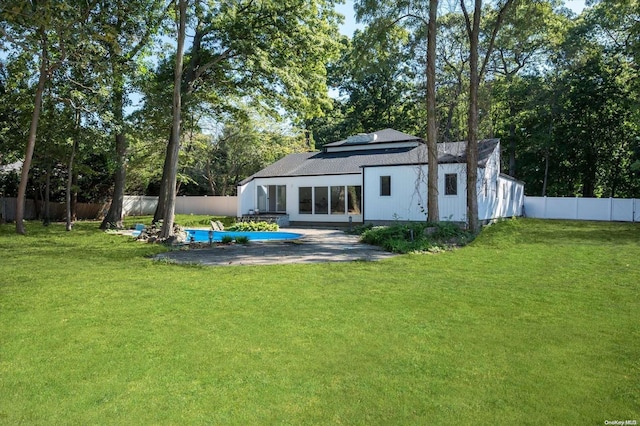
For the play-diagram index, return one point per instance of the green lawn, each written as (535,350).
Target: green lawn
(535,322)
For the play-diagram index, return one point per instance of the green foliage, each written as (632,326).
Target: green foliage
(243,239)
(253,226)
(226,239)
(416,237)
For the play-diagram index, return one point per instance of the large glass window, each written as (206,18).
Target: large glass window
(321,200)
(337,200)
(272,198)
(385,185)
(451,184)
(354,199)
(305,203)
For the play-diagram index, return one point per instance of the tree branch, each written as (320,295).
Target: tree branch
(494,33)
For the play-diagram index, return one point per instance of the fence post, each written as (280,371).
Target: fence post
(544,214)
(577,208)
(610,209)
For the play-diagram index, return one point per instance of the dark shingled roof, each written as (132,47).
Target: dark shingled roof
(351,162)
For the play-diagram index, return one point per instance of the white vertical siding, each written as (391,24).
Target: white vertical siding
(408,199)
(246,198)
(453,207)
(408,193)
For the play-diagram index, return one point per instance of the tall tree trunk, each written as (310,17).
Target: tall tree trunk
(546,172)
(512,141)
(174,148)
(158,215)
(31,141)
(113,217)
(433,214)
(46,216)
(69,215)
(74,197)
(472,119)
(476,72)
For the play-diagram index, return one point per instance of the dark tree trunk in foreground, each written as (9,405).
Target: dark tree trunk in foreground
(433,214)
(68,196)
(31,141)
(114,215)
(173,147)
(476,70)
(473,30)
(162,195)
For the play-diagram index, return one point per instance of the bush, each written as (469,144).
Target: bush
(226,239)
(253,226)
(407,238)
(243,239)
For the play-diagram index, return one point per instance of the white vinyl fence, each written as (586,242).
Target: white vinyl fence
(604,209)
(138,205)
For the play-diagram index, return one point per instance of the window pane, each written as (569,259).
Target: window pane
(262,198)
(272,198)
(337,200)
(354,200)
(451,184)
(321,200)
(304,196)
(281,198)
(385,185)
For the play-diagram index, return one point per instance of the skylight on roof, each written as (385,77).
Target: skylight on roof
(362,138)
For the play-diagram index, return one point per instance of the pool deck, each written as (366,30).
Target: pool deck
(316,246)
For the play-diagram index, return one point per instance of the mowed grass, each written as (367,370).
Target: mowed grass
(535,322)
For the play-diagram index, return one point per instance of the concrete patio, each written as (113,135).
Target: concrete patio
(316,246)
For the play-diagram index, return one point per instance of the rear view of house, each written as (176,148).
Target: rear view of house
(378,178)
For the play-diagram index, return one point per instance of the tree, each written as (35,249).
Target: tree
(173,147)
(269,52)
(433,214)
(420,18)
(528,36)
(477,70)
(126,30)
(45,31)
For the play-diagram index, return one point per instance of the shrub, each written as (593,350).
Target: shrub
(243,239)
(253,226)
(226,239)
(406,238)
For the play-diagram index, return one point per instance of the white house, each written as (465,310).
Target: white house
(378,178)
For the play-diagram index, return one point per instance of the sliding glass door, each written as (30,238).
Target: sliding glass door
(272,198)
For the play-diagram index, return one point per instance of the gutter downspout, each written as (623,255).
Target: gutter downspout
(364,219)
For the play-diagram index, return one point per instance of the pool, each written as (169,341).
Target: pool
(202,235)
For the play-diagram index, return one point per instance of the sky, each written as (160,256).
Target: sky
(350,24)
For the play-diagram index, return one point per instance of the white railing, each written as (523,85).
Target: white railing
(577,208)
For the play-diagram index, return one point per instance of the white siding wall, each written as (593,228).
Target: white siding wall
(498,196)
(510,199)
(488,187)
(247,195)
(408,199)
(246,198)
